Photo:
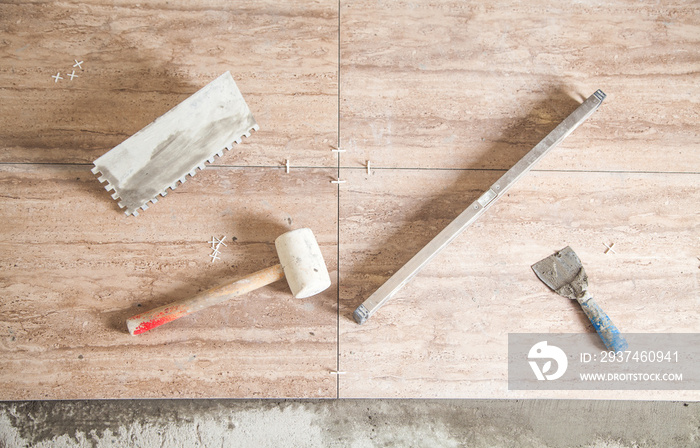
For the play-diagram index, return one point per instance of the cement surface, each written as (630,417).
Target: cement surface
(355,423)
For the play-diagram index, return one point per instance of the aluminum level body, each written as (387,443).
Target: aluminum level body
(472,213)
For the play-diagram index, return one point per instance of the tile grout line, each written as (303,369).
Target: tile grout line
(337,322)
(338,167)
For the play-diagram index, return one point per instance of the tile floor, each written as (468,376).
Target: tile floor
(441,97)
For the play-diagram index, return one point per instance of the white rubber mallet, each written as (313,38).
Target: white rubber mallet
(301,263)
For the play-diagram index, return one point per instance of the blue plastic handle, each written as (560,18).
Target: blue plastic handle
(607,331)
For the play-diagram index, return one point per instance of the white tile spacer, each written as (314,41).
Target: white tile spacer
(369,167)
(214,240)
(78,64)
(609,248)
(337,150)
(338,181)
(287,166)
(337,373)
(57,76)
(72,75)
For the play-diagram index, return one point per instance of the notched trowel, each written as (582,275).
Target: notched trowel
(175,145)
(564,274)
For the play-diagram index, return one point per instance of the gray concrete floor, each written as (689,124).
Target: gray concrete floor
(355,423)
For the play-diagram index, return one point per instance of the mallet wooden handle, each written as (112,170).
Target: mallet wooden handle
(168,313)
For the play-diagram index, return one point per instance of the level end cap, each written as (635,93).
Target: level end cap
(361,314)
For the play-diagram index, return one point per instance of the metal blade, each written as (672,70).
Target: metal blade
(176,145)
(563,273)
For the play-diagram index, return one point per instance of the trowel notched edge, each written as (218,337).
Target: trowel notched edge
(176,145)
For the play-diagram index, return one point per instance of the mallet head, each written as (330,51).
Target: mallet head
(302,262)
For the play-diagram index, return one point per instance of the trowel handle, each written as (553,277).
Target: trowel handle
(607,331)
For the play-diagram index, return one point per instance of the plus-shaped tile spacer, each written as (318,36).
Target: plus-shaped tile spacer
(609,248)
(57,76)
(215,244)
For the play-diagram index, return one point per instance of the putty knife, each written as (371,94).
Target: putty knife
(564,274)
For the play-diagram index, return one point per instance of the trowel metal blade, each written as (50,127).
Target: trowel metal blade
(563,273)
(177,144)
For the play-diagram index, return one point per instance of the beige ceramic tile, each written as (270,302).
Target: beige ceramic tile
(428,85)
(75,267)
(142,59)
(445,334)
(451,84)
